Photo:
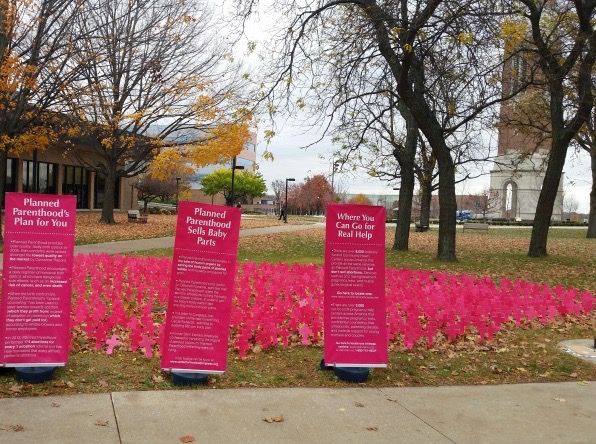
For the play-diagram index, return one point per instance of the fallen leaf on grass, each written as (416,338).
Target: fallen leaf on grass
(102,383)
(573,375)
(157,379)
(271,419)
(70,384)
(101,423)
(187,439)
(15,388)
(372,429)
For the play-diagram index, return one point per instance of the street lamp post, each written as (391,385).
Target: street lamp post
(234,168)
(291,179)
(335,165)
(396,189)
(177,192)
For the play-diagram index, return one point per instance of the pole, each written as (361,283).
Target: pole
(334,166)
(231,204)
(35,172)
(286,205)
(177,192)
(289,179)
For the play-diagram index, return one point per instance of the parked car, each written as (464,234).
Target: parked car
(463,216)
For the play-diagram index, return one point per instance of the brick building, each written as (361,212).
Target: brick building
(54,171)
(518,171)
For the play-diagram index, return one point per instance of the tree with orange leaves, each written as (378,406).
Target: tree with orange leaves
(360,199)
(35,47)
(153,76)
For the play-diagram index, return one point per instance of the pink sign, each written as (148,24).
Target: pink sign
(36,280)
(354,307)
(201,288)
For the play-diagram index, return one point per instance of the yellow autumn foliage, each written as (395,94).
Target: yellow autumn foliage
(465,38)
(224,142)
(34,138)
(169,163)
(513,33)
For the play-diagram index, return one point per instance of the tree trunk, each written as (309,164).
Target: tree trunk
(425,201)
(592,217)
(404,213)
(447,210)
(546,200)
(3,156)
(431,128)
(405,156)
(107,209)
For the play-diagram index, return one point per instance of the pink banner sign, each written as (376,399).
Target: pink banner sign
(203,270)
(35,307)
(354,308)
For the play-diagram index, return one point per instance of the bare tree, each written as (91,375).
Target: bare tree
(420,43)
(153,73)
(150,188)
(563,41)
(570,204)
(585,139)
(278,186)
(487,201)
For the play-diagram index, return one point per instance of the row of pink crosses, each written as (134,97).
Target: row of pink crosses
(120,301)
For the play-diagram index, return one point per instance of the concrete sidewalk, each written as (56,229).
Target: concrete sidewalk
(526,413)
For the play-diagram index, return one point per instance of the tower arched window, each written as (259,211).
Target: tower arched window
(509,208)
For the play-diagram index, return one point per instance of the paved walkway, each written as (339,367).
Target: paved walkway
(168,242)
(527,413)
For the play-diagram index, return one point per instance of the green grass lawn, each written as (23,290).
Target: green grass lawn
(500,253)
(515,356)
(527,354)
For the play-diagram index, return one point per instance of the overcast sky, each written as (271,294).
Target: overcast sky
(292,161)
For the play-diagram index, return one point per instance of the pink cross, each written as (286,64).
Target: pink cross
(147,344)
(112,342)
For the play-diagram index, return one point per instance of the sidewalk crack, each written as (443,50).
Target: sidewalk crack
(414,414)
(115,418)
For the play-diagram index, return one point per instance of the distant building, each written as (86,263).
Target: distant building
(389,201)
(518,172)
(56,171)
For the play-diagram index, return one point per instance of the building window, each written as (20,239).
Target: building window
(46,177)
(11,175)
(76,182)
(100,183)
(519,72)
(247,164)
